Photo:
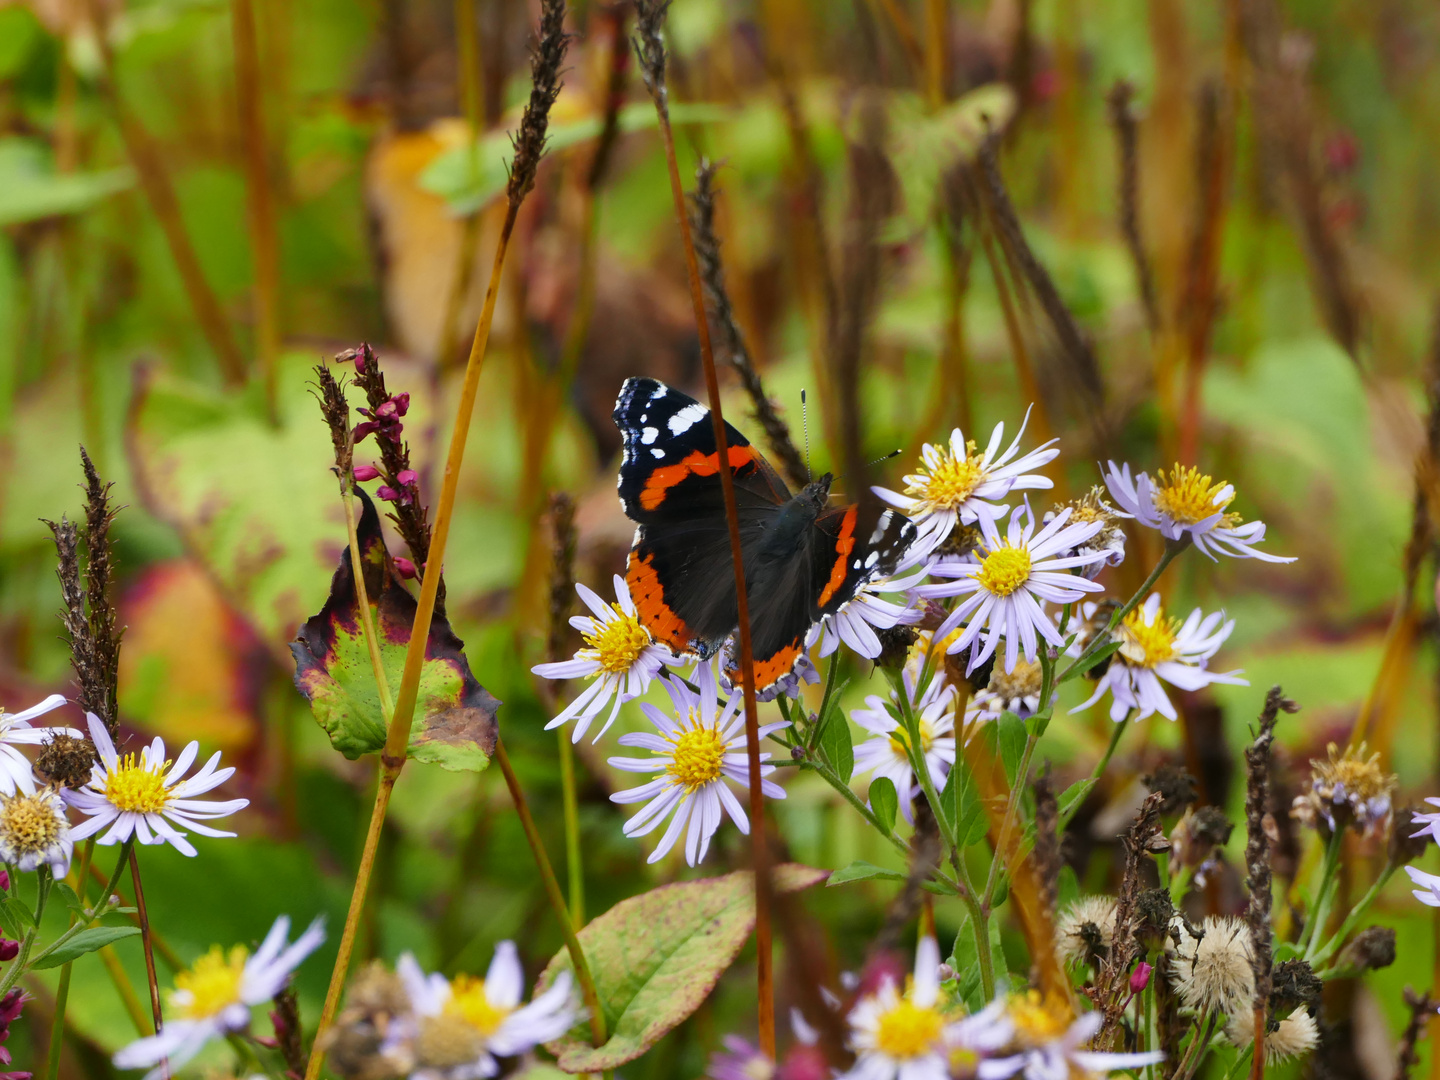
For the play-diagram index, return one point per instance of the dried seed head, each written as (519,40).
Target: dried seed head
(1086,930)
(1092,507)
(1405,844)
(1347,789)
(1294,983)
(649,20)
(66,761)
(1173,782)
(358,1045)
(1372,948)
(1198,837)
(895,645)
(1297,1034)
(546,59)
(1212,973)
(1154,913)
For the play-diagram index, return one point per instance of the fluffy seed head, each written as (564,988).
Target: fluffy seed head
(1296,1035)
(1213,973)
(1084,933)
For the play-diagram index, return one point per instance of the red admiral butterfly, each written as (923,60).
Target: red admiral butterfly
(802,559)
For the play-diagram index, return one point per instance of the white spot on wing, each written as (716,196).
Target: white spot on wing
(685,419)
(657,452)
(660,391)
(649,435)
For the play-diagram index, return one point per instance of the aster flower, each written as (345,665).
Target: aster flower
(34,829)
(214,997)
(740,1061)
(885,753)
(1189,502)
(1016,691)
(15,730)
(1213,973)
(1429,823)
(1297,1035)
(697,750)
(462,1025)
(865,612)
(1086,929)
(1347,789)
(1155,648)
(1429,891)
(788,685)
(903,1036)
(1051,1050)
(141,798)
(960,485)
(1009,579)
(619,654)
(1109,541)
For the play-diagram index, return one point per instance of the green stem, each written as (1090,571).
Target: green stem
(42,893)
(1348,926)
(100,907)
(1242,1060)
(832,778)
(1094,778)
(1320,905)
(574,861)
(915,750)
(1003,838)
(821,718)
(62,990)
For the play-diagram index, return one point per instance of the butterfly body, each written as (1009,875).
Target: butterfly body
(802,559)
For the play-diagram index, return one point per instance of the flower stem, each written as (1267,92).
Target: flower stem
(1320,905)
(62,990)
(553,894)
(1356,913)
(144,918)
(574,860)
(367,617)
(17,966)
(1094,777)
(832,778)
(125,990)
(1002,839)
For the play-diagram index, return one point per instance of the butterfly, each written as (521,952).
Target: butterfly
(802,558)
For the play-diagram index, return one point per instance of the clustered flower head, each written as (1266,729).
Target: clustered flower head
(428,1027)
(1347,789)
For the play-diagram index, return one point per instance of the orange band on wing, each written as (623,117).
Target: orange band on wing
(771,669)
(843,550)
(655,615)
(693,464)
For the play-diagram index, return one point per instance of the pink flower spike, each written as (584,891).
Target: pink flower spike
(1140,977)
(365,472)
(387,493)
(402,403)
(404,567)
(407,477)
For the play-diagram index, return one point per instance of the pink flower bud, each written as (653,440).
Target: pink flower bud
(1140,977)
(5,880)
(360,358)
(8,949)
(407,477)
(402,403)
(386,493)
(404,567)
(366,472)
(362,430)
(387,410)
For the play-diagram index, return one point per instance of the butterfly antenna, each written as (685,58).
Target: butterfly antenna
(883,457)
(805,427)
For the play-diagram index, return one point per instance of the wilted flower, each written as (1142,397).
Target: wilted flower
(885,752)
(696,751)
(1155,648)
(1016,691)
(214,997)
(1085,930)
(463,1024)
(960,485)
(15,730)
(1198,838)
(1189,502)
(371,1038)
(619,654)
(142,798)
(1347,789)
(1212,973)
(34,829)
(1297,1034)
(1109,541)
(1009,580)
(1050,1049)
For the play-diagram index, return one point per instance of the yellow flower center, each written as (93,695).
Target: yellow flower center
(1025,680)
(908,1031)
(1034,1023)
(1188,495)
(469,1003)
(1361,776)
(900,740)
(1147,644)
(28,823)
(1004,570)
(697,757)
(137,786)
(619,642)
(951,482)
(213,983)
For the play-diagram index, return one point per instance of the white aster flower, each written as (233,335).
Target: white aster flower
(15,730)
(1009,579)
(1429,823)
(960,485)
(463,1024)
(885,753)
(1429,891)
(1188,501)
(1155,648)
(214,997)
(137,797)
(865,612)
(696,751)
(904,1037)
(619,654)
(34,829)
(1052,1050)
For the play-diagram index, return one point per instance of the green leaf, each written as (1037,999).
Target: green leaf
(1036,725)
(1103,653)
(656,957)
(15,917)
(31,189)
(67,897)
(884,801)
(454,725)
(965,961)
(859,870)
(1067,888)
(1012,736)
(87,941)
(1073,796)
(470,175)
(835,744)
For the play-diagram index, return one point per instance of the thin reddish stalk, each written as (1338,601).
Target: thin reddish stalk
(142,916)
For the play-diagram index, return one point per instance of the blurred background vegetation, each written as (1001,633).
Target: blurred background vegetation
(1235,200)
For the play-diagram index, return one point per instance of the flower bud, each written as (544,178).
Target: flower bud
(1140,977)
(404,567)
(1371,949)
(407,477)
(365,472)
(402,403)
(4,880)
(386,493)
(8,950)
